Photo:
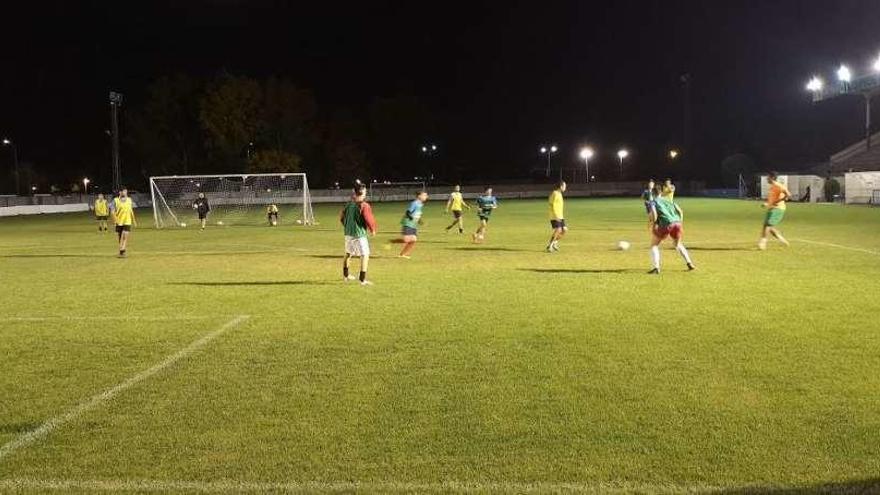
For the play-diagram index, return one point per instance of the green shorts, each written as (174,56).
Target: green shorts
(774,217)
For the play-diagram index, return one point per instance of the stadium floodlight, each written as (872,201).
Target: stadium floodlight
(673,154)
(6,141)
(622,154)
(586,154)
(844,74)
(543,149)
(86,185)
(433,147)
(815,85)
(424,149)
(877,65)
(553,149)
(549,152)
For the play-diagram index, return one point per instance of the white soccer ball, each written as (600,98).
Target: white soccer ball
(623,245)
(183,225)
(299,222)
(220,222)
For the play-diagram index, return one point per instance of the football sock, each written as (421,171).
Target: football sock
(684,254)
(363,276)
(655,256)
(345,271)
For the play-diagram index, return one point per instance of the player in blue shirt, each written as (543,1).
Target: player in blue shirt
(410,222)
(486,204)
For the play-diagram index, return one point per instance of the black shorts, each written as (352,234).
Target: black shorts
(409,231)
(557,224)
(271,215)
(102,218)
(456,214)
(203,216)
(123,228)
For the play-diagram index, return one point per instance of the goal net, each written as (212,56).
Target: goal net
(394,191)
(233,199)
(862,187)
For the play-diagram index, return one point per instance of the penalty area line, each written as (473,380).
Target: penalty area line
(231,486)
(53,424)
(839,246)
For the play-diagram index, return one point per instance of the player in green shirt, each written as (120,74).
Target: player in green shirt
(357,221)
(667,218)
(486,204)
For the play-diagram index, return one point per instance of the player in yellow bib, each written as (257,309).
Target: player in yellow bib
(455,204)
(102,213)
(557,217)
(775,205)
(123,217)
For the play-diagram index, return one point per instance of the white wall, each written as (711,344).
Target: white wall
(861,187)
(797,186)
(10,211)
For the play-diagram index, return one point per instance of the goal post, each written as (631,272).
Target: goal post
(234,199)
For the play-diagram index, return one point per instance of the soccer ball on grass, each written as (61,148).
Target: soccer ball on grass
(623,245)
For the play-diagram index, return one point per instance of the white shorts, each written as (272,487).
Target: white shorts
(357,246)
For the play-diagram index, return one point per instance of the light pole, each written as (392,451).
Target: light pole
(586,154)
(429,150)
(623,153)
(549,152)
(8,142)
(115,103)
(86,186)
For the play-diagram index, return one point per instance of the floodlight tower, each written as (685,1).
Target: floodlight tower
(115,103)
(549,152)
(622,154)
(868,86)
(586,154)
(8,142)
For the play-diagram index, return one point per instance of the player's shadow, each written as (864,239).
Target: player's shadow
(254,283)
(718,248)
(491,249)
(580,270)
(17,428)
(325,256)
(57,255)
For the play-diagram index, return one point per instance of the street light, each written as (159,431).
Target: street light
(586,154)
(673,154)
(8,142)
(623,153)
(86,186)
(844,74)
(877,65)
(815,84)
(549,152)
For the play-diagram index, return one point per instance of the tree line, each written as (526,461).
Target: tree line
(239,124)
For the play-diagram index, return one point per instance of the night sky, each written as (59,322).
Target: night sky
(500,78)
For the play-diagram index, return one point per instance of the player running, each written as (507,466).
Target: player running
(557,219)
(775,205)
(410,222)
(454,204)
(357,220)
(102,212)
(485,205)
(123,217)
(667,218)
(203,208)
(272,214)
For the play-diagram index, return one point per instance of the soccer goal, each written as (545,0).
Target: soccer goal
(233,199)
(394,191)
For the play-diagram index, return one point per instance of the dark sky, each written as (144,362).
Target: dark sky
(500,77)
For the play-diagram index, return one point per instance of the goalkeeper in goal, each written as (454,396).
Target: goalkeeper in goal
(357,220)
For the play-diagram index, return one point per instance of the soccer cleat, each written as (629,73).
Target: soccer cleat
(654,271)
(349,278)
(762,244)
(366,283)
(404,256)
(691,267)
(784,241)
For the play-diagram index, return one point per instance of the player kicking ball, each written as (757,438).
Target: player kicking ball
(667,218)
(557,219)
(202,208)
(410,222)
(775,205)
(486,204)
(357,220)
(455,204)
(102,213)
(123,217)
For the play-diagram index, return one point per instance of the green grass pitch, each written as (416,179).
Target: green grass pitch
(488,368)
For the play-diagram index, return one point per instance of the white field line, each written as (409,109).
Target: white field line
(229,486)
(53,424)
(839,246)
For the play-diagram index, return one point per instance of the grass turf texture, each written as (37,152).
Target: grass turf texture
(493,367)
